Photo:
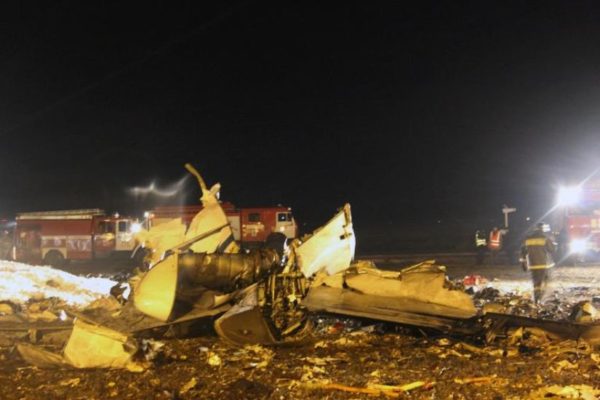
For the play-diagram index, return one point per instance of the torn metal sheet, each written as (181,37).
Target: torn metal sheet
(584,312)
(161,238)
(129,321)
(416,295)
(497,324)
(92,346)
(212,218)
(155,294)
(403,311)
(245,322)
(423,285)
(330,248)
(89,346)
(41,358)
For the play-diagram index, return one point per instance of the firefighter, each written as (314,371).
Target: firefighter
(537,257)
(495,244)
(480,246)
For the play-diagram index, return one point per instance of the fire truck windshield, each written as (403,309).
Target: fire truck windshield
(106,227)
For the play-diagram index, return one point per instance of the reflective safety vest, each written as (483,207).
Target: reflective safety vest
(495,240)
(480,241)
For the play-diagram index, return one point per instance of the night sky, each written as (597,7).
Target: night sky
(440,111)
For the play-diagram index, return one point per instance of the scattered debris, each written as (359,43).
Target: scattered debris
(565,392)
(584,312)
(70,382)
(474,280)
(479,379)
(214,360)
(386,390)
(188,386)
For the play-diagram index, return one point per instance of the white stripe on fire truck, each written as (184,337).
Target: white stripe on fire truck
(71,237)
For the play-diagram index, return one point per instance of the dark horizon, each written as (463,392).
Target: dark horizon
(429,112)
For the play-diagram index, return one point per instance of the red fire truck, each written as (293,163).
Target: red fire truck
(580,219)
(55,237)
(252,227)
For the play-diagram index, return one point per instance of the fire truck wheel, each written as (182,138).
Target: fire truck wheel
(54,258)
(276,241)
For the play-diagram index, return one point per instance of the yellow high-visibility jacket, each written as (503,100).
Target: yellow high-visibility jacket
(538,250)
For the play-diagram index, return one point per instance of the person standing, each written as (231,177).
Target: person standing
(537,257)
(480,246)
(495,244)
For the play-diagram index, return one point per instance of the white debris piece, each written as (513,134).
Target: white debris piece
(21,282)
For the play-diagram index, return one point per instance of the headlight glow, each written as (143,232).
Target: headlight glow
(578,245)
(136,227)
(569,195)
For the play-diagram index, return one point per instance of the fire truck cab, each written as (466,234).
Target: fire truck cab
(55,237)
(251,227)
(580,219)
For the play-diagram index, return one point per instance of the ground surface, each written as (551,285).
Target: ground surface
(343,352)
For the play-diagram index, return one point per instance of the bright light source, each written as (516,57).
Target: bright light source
(578,246)
(569,195)
(136,227)
(146,214)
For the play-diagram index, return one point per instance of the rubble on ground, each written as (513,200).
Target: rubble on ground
(305,322)
(345,357)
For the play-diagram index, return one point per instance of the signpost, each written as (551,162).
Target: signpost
(507,210)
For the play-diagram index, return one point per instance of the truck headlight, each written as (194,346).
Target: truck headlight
(578,245)
(136,227)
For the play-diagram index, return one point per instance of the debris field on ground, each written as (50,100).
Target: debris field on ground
(345,358)
(208,320)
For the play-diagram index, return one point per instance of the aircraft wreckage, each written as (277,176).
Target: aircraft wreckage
(265,296)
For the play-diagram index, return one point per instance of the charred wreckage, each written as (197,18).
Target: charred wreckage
(197,274)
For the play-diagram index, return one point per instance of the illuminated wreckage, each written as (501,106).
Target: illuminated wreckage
(264,296)
(260,291)
(198,273)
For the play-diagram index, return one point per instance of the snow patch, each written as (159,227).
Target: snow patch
(22,282)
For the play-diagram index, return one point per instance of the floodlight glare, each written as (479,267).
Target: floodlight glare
(136,227)
(578,246)
(569,195)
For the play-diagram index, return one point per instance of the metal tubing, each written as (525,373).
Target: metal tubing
(226,271)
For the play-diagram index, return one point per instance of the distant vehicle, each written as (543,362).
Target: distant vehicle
(56,237)
(579,220)
(252,227)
